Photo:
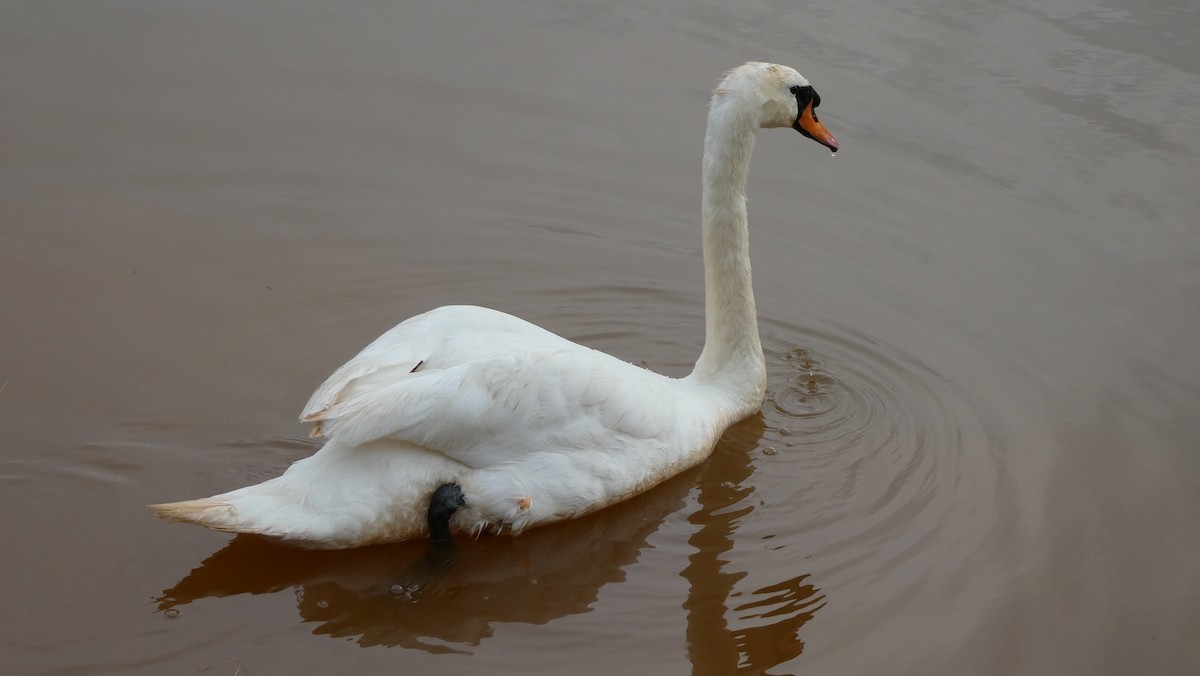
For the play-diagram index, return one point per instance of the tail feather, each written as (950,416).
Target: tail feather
(214,513)
(338,498)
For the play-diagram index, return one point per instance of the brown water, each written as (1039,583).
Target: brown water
(979,454)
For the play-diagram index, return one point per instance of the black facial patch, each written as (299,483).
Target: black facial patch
(804,95)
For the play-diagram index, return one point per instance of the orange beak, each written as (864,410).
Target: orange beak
(810,126)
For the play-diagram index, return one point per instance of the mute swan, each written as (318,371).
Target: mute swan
(469,419)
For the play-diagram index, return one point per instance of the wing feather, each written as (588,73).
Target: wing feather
(497,409)
(491,389)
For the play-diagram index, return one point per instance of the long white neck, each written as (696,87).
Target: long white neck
(732,358)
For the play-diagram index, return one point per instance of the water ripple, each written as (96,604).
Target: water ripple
(881,461)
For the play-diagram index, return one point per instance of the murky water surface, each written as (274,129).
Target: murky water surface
(979,453)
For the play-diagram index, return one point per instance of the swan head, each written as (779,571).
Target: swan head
(770,95)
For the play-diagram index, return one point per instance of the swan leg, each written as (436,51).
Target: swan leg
(445,502)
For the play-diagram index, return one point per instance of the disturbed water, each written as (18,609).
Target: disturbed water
(978,454)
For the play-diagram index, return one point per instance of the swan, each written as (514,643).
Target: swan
(467,419)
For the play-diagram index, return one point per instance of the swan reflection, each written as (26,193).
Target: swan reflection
(393,595)
(396,595)
(765,625)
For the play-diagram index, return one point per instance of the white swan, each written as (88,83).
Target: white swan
(465,418)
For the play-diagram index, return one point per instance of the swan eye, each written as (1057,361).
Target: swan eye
(795,89)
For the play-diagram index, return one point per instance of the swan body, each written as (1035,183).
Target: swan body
(533,427)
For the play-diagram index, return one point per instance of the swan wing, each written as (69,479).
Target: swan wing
(438,339)
(493,390)
(504,407)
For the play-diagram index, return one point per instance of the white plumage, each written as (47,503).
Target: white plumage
(534,428)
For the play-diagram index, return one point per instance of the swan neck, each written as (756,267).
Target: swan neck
(732,355)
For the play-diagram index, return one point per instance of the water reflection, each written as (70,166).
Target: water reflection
(767,623)
(395,595)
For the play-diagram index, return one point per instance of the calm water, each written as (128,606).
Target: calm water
(979,454)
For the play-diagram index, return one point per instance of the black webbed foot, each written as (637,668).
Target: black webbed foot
(445,502)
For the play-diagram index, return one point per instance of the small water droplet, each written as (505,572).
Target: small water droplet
(783,432)
(769,450)
(533,581)
(397,589)
(171,613)
(322,604)
(726,484)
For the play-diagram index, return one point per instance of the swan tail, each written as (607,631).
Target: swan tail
(259,514)
(276,518)
(262,509)
(215,513)
(341,497)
